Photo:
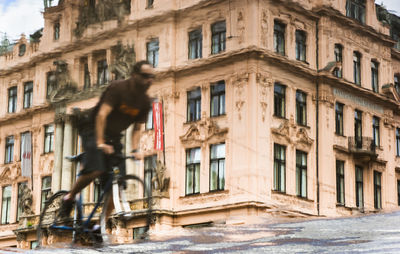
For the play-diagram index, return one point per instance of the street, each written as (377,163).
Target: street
(367,234)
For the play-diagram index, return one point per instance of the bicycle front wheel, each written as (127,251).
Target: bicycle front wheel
(132,204)
(48,215)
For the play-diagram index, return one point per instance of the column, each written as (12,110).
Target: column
(58,153)
(66,174)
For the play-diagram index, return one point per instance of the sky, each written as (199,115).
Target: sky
(25,16)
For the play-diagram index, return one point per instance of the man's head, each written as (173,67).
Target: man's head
(143,72)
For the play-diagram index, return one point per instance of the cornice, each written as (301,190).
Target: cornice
(297,7)
(395,53)
(25,114)
(354,25)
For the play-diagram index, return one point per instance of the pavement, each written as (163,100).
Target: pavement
(377,233)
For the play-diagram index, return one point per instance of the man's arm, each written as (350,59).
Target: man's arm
(104,111)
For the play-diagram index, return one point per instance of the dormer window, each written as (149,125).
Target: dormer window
(56,31)
(22,50)
(356,9)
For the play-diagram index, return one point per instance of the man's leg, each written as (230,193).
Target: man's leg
(82,182)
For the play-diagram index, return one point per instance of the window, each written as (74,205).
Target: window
(152,52)
(150,164)
(397,83)
(359,187)
(6,205)
(398,192)
(21,50)
(28,94)
(150,3)
(339,59)
(51,83)
(194,105)
(301,45)
(217,167)
(375,130)
(102,72)
(218,38)
(56,31)
(21,187)
(340,182)
(96,190)
(356,9)
(301,108)
(377,190)
(279,167)
(279,37)
(397,141)
(358,128)
(339,118)
(46,190)
(195,44)
(279,100)
(301,174)
(374,76)
(12,99)
(149,121)
(357,68)
(218,99)
(86,77)
(192,171)
(48,138)
(9,149)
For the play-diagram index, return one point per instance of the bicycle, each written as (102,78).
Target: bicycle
(81,227)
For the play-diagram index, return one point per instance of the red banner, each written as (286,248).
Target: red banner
(158,126)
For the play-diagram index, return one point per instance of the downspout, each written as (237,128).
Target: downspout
(317,113)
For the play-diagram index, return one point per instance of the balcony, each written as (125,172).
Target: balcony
(362,148)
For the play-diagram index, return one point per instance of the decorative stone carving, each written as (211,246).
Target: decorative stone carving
(26,201)
(293,134)
(66,87)
(5,176)
(264,81)
(160,182)
(124,60)
(325,97)
(388,120)
(202,131)
(241,27)
(147,141)
(238,83)
(264,29)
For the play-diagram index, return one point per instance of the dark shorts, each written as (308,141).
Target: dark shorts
(94,159)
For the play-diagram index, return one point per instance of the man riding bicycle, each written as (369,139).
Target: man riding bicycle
(123,102)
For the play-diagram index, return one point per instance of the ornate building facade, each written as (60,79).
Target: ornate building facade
(270,106)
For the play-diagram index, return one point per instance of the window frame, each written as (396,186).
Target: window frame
(376,131)
(375,76)
(358,128)
(5,218)
(340,183)
(149,169)
(279,100)
(152,51)
(377,190)
(86,76)
(12,99)
(9,149)
(279,180)
(44,190)
(28,94)
(338,51)
(195,44)
(48,139)
(56,31)
(19,198)
(192,165)
(279,37)
(221,173)
(193,102)
(359,180)
(301,170)
(102,72)
(51,84)
(357,68)
(397,142)
(356,10)
(219,96)
(218,37)
(301,45)
(301,108)
(339,118)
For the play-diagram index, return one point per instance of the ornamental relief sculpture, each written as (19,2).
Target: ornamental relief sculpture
(203,131)
(264,29)
(241,27)
(264,81)
(238,82)
(147,141)
(64,86)
(292,133)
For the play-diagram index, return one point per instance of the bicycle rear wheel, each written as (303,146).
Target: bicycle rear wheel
(48,216)
(132,203)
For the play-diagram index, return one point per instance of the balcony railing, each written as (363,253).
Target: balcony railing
(362,147)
